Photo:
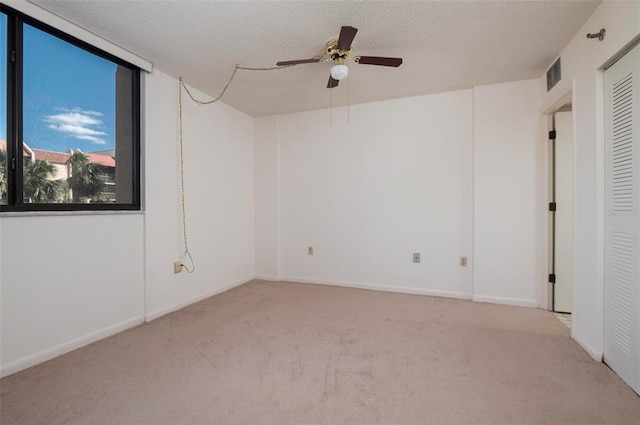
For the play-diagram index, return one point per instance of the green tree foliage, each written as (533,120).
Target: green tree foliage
(3,176)
(38,179)
(39,184)
(85,182)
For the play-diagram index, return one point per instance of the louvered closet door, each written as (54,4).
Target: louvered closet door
(622,218)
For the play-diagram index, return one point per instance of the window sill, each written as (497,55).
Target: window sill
(4,214)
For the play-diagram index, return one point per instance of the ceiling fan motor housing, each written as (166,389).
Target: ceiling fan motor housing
(338,49)
(334,53)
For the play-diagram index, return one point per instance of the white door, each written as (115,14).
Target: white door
(563,229)
(622,218)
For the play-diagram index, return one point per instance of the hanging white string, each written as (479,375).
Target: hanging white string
(330,107)
(226,86)
(187,253)
(348,102)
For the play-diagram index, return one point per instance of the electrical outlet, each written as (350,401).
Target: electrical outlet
(416,257)
(177,266)
(310,250)
(463,261)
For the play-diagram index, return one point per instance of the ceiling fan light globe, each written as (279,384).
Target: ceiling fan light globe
(339,72)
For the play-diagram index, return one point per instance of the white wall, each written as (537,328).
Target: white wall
(426,174)
(399,177)
(366,195)
(582,61)
(507,193)
(67,281)
(218,148)
(267,198)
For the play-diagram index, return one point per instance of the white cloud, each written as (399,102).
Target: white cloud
(96,140)
(78,123)
(77,129)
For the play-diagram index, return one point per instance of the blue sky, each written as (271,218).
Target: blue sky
(69,95)
(3,77)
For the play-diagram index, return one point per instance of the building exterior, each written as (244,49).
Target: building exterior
(60,160)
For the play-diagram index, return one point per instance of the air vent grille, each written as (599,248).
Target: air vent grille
(554,75)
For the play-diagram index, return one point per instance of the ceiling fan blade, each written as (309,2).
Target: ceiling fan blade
(377,60)
(332,83)
(297,62)
(346,37)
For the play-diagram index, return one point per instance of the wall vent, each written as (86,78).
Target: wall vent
(554,75)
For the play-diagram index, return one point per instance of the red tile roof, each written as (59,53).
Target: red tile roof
(101,159)
(62,157)
(52,157)
(3,146)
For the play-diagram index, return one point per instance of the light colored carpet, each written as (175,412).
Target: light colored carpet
(288,353)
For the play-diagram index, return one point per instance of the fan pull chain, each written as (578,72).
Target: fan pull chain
(330,107)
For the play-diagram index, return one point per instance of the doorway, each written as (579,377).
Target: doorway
(561,211)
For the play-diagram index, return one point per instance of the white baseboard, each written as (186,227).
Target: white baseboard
(519,302)
(378,287)
(66,347)
(166,310)
(593,353)
(58,350)
(268,277)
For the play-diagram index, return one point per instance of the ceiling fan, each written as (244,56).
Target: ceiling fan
(337,50)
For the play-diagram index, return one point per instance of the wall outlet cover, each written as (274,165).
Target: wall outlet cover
(177,266)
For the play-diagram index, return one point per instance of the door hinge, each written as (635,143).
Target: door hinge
(13,56)
(552,278)
(13,163)
(552,206)
(552,135)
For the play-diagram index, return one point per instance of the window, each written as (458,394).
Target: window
(69,122)
(3,110)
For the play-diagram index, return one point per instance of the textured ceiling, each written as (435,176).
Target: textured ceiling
(446,45)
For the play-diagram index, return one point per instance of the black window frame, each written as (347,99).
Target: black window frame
(15,202)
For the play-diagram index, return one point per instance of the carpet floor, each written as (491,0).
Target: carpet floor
(289,353)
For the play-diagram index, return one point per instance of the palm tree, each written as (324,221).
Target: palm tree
(38,183)
(85,182)
(3,176)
